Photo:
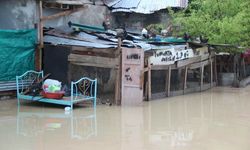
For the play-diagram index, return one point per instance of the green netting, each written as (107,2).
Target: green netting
(17,49)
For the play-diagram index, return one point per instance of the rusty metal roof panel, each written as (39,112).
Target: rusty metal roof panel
(74,2)
(63,41)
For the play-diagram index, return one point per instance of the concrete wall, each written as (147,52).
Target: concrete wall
(23,14)
(18,14)
(91,15)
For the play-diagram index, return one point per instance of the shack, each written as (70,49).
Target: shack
(117,64)
(178,68)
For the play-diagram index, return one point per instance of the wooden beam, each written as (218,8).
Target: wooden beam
(38,58)
(40,24)
(112,52)
(60,14)
(215,70)
(169,81)
(244,67)
(182,63)
(166,82)
(199,64)
(94,65)
(163,67)
(146,91)
(94,60)
(118,75)
(185,79)
(149,82)
(117,86)
(211,72)
(202,75)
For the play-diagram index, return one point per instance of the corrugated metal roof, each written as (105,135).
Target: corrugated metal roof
(144,6)
(63,41)
(127,4)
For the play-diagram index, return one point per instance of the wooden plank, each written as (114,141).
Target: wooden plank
(163,67)
(204,57)
(180,92)
(92,53)
(105,52)
(169,81)
(244,67)
(199,64)
(132,76)
(38,58)
(94,65)
(202,75)
(60,14)
(146,90)
(117,86)
(118,75)
(166,81)
(185,62)
(211,72)
(185,80)
(149,82)
(215,70)
(95,60)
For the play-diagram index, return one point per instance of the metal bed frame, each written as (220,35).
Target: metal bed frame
(84,89)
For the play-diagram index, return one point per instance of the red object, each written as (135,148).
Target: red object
(56,95)
(245,54)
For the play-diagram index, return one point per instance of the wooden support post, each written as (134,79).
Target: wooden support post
(38,58)
(118,75)
(166,82)
(146,91)
(185,80)
(211,72)
(149,82)
(244,67)
(117,86)
(169,81)
(202,75)
(215,70)
(41,23)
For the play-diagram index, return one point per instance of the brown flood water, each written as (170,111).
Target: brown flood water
(218,119)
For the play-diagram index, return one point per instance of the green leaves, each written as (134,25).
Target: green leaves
(221,21)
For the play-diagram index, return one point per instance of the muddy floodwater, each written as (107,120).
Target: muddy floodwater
(218,119)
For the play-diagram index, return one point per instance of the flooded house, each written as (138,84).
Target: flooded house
(102,74)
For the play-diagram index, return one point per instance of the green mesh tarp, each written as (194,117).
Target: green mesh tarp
(17,49)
